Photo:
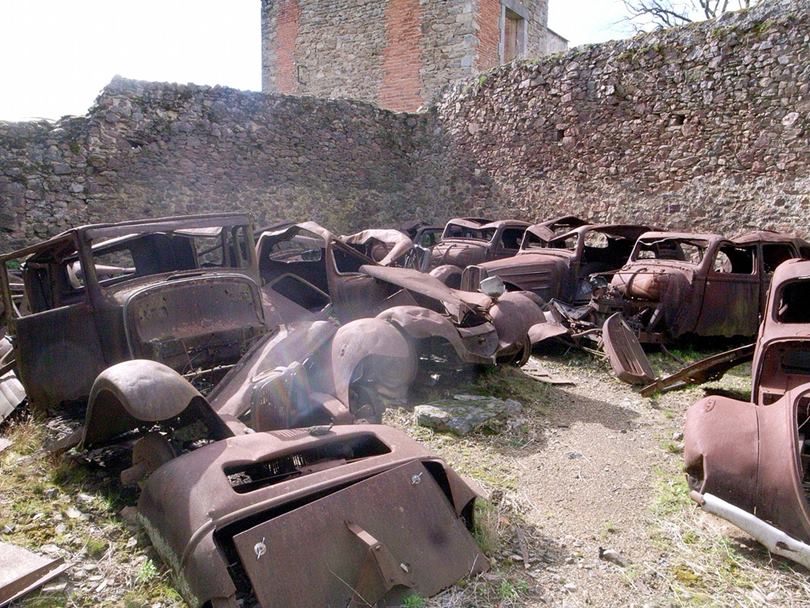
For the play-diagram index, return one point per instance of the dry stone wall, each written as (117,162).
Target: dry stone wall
(704,126)
(149,149)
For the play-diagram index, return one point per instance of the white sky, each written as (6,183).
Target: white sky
(57,55)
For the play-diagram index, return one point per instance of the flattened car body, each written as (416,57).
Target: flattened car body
(294,518)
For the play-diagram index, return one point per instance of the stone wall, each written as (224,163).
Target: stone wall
(150,149)
(704,126)
(395,53)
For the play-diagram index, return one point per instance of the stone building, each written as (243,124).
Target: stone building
(397,54)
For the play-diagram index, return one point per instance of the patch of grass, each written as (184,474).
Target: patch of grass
(413,601)
(146,572)
(608,528)
(96,547)
(488,524)
(672,447)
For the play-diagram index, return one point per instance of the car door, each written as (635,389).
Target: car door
(354,294)
(773,254)
(731,296)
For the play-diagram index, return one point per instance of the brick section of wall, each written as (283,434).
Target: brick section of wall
(401,88)
(489,34)
(449,44)
(288,22)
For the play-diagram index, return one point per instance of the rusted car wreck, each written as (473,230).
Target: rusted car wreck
(235,372)
(555,264)
(467,241)
(676,284)
(750,462)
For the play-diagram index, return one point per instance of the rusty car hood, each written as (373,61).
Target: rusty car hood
(424,284)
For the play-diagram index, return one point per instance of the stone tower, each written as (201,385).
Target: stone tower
(395,53)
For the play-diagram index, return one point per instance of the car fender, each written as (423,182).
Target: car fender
(129,394)
(390,358)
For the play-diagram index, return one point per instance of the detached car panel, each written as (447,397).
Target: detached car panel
(264,516)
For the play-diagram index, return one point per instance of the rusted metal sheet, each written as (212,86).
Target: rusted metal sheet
(267,513)
(366,547)
(754,457)
(706,370)
(22,571)
(624,352)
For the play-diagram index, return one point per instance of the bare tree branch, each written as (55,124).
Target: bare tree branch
(669,13)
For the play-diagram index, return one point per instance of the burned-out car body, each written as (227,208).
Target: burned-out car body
(750,462)
(556,264)
(676,284)
(468,241)
(307,517)
(183,291)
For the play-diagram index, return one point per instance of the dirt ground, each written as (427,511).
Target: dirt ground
(589,465)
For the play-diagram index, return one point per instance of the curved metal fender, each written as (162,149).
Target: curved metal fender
(513,314)
(132,392)
(446,274)
(394,360)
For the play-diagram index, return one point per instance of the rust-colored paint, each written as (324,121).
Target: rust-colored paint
(401,88)
(288,23)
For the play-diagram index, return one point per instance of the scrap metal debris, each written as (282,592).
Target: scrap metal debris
(709,369)
(22,572)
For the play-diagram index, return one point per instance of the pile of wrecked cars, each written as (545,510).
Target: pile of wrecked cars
(246,376)
(750,462)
